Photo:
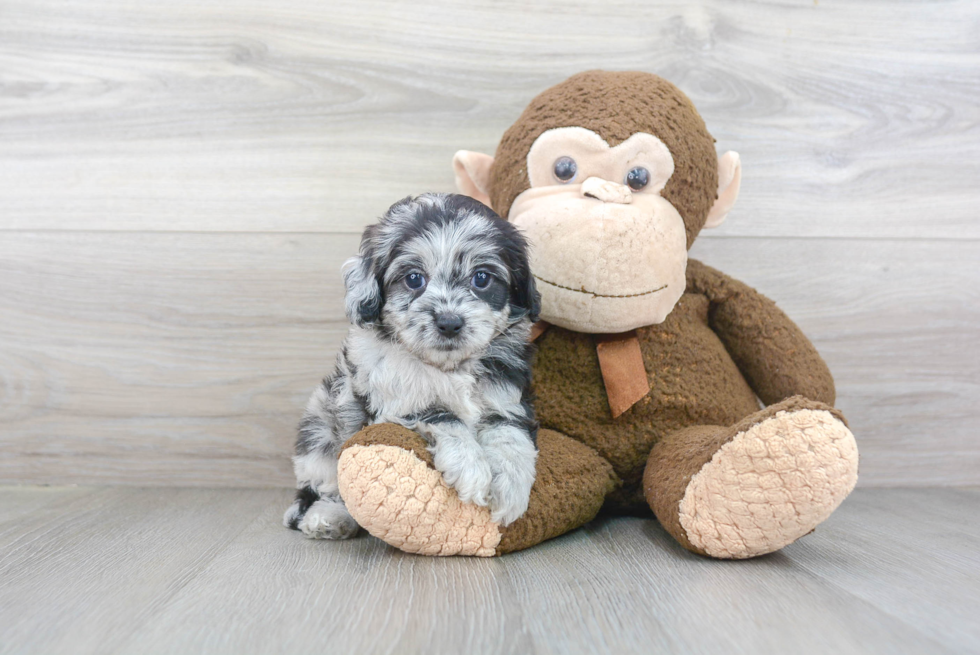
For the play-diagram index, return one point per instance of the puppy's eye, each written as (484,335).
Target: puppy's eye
(637,178)
(565,169)
(481,280)
(414,281)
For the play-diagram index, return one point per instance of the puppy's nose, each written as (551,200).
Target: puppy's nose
(606,191)
(449,325)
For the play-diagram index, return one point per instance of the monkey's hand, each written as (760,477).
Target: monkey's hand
(511,455)
(772,353)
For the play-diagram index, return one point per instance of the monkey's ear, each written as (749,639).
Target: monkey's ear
(363,300)
(729,181)
(473,174)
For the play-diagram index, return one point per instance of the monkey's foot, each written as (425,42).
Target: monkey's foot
(774,478)
(390,486)
(393,491)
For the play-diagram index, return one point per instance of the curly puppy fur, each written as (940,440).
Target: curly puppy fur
(442,300)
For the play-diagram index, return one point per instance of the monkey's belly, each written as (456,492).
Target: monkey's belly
(693,381)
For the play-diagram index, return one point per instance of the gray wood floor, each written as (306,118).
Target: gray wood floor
(128,570)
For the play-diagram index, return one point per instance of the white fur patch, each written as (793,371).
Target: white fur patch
(461,460)
(317,471)
(511,457)
(328,520)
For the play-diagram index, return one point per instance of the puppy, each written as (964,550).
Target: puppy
(442,300)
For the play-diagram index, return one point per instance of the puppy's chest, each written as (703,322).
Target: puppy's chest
(397,386)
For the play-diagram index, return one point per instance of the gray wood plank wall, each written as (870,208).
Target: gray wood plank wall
(180,182)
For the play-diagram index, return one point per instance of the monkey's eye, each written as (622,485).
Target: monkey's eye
(481,280)
(565,169)
(414,281)
(637,178)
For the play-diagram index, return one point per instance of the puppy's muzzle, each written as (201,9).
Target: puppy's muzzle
(449,325)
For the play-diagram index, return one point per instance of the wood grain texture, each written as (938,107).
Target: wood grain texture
(151,570)
(855,560)
(117,558)
(163,358)
(20,502)
(187,358)
(853,119)
(179,183)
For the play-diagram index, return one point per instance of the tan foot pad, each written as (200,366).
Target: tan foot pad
(396,497)
(770,485)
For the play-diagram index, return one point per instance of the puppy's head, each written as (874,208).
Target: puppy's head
(443,275)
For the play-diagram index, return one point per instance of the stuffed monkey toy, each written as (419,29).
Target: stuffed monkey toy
(650,366)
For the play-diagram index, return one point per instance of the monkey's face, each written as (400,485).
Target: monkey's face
(609,253)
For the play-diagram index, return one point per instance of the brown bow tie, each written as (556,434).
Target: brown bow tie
(621,363)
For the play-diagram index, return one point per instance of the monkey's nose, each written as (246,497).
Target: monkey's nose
(606,191)
(449,325)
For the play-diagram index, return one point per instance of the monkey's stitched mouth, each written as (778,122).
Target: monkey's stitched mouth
(601,295)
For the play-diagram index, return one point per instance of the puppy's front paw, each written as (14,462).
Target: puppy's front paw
(512,457)
(465,469)
(327,519)
(509,495)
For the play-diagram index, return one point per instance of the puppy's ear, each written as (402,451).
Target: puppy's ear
(363,300)
(523,292)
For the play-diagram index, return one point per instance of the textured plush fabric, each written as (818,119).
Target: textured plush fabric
(775,356)
(693,378)
(390,434)
(681,456)
(613,268)
(616,105)
(393,492)
(571,484)
(672,464)
(386,478)
(770,485)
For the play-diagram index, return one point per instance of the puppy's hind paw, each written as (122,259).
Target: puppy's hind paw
(328,520)
(293,516)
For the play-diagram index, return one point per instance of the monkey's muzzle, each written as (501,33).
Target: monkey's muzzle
(606,191)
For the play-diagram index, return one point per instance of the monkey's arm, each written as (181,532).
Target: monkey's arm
(771,351)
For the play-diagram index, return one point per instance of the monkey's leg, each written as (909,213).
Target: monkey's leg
(754,487)
(392,489)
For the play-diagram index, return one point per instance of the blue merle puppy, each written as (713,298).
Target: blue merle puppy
(442,300)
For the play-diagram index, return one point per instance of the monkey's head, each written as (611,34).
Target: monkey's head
(611,176)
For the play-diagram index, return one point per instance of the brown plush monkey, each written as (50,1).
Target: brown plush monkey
(650,366)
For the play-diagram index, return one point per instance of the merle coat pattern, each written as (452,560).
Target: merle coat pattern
(442,300)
